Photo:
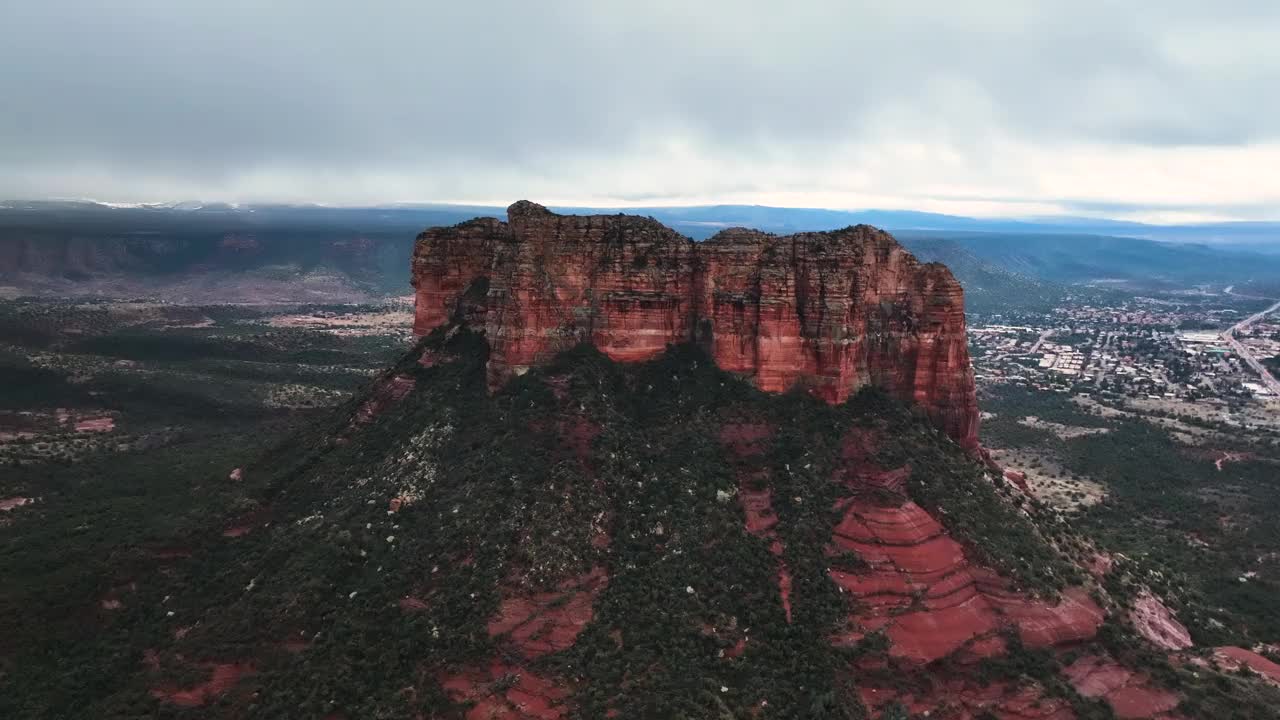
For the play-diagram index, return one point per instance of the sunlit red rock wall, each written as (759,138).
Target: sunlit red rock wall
(830,311)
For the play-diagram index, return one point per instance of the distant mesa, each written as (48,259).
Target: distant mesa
(831,312)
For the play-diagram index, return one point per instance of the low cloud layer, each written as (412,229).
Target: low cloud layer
(991,107)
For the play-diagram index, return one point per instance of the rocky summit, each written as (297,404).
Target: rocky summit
(832,312)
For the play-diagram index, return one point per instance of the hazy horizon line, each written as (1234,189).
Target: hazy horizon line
(1172,215)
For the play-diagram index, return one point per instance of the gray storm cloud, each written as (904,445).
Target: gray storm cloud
(1002,107)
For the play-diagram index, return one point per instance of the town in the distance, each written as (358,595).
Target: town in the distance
(1202,349)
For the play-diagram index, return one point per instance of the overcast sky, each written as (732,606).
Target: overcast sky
(1151,109)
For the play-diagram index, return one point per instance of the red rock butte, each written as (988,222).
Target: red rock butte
(829,311)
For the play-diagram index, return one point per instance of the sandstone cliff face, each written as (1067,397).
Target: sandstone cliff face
(831,311)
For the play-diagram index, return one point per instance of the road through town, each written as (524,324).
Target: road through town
(1229,336)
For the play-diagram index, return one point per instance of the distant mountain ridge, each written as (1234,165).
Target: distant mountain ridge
(1078,258)
(697,221)
(988,288)
(65,247)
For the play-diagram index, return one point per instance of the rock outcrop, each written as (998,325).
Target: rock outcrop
(1233,658)
(831,311)
(931,601)
(1154,621)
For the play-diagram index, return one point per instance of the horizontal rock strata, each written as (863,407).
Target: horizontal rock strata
(832,312)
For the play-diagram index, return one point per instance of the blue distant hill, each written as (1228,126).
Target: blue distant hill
(997,255)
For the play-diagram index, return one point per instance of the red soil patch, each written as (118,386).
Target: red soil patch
(295,644)
(385,395)
(757,509)
(412,604)
(96,424)
(737,649)
(1100,565)
(171,553)
(222,677)
(858,470)
(559,385)
(540,623)
(1018,479)
(14,502)
(84,423)
(506,692)
(784,579)
(20,435)
(964,699)
(1226,457)
(112,599)
(1234,657)
(1074,618)
(746,441)
(246,523)
(930,601)
(579,434)
(731,638)
(576,434)
(1130,694)
(871,477)
(860,445)
(1219,457)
